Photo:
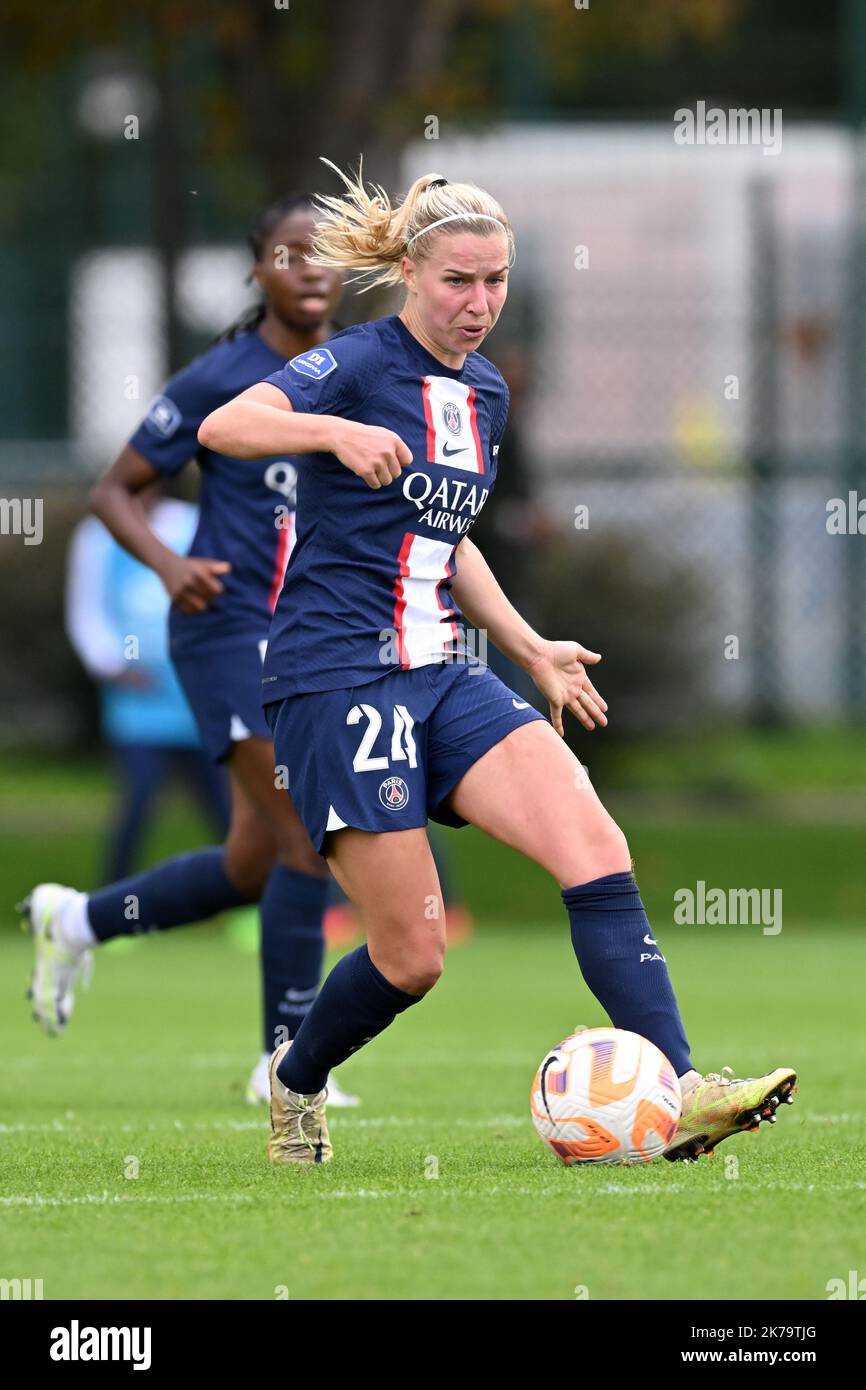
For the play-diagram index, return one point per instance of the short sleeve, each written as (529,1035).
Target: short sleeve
(335,378)
(168,434)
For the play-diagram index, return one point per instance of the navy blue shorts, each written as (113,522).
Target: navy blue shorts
(224,690)
(386,755)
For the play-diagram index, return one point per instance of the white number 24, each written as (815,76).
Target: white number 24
(402,742)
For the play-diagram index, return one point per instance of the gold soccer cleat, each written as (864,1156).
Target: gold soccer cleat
(718,1106)
(299,1129)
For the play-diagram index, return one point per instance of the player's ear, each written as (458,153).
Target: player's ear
(407,267)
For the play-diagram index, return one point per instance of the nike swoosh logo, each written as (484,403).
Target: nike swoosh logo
(448,451)
(649,941)
(520,704)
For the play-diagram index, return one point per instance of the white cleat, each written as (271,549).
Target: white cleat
(339,1099)
(56,968)
(258,1090)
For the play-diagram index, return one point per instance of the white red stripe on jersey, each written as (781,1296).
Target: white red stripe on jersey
(452,424)
(285,545)
(422,635)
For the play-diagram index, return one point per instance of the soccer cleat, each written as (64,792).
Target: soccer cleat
(299,1129)
(55,967)
(258,1090)
(338,1098)
(718,1106)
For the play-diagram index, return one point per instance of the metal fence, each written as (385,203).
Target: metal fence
(690,322)
(685,343)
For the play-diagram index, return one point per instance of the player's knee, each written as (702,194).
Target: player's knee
(418,968)
(603,849)
(422,979)
(296,852)
(611,849)
(427,974)
(247,865)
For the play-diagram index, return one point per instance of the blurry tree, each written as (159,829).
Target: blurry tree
(278,83)
(246,94)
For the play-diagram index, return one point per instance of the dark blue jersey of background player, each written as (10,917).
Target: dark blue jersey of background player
(247,511)
(369,584)
(222,594)
(227,589)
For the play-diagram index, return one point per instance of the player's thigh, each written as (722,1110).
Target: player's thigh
(251,766)
(392,880)
(530,791)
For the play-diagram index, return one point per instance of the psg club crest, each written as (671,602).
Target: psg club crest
(451,416)
(393,793)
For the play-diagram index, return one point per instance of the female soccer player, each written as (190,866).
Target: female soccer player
(223,594)
(378,721)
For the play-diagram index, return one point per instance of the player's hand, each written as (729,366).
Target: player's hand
(371,452)
(192,584)
(560,674)
(131,677)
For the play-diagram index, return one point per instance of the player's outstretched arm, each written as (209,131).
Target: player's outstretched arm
(557,668)
(261,421)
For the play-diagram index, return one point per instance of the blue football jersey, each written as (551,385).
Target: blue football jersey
(247,507)
(368,588)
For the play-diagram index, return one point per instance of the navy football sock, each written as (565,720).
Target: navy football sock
(186,889)
(293,947)
(623,965)
(355,1004)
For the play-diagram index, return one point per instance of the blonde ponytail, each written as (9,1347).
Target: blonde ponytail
(361,230)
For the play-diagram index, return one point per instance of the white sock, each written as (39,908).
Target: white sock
(266,1057)
(74,931)
(689,1079)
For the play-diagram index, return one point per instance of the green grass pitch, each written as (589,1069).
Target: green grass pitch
(440,1188)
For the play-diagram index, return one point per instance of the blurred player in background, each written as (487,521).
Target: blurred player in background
(116,619)
(402,420)
(222,596)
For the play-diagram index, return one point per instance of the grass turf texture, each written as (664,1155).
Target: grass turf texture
(152,1071)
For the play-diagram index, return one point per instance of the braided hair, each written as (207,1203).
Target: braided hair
(257,237)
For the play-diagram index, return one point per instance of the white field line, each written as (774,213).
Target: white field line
(612,1189)
(197,1061)
(71,1125)
(847,1117)
(207,1061)
(117,1199)
(38,1202)
(242,1062)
